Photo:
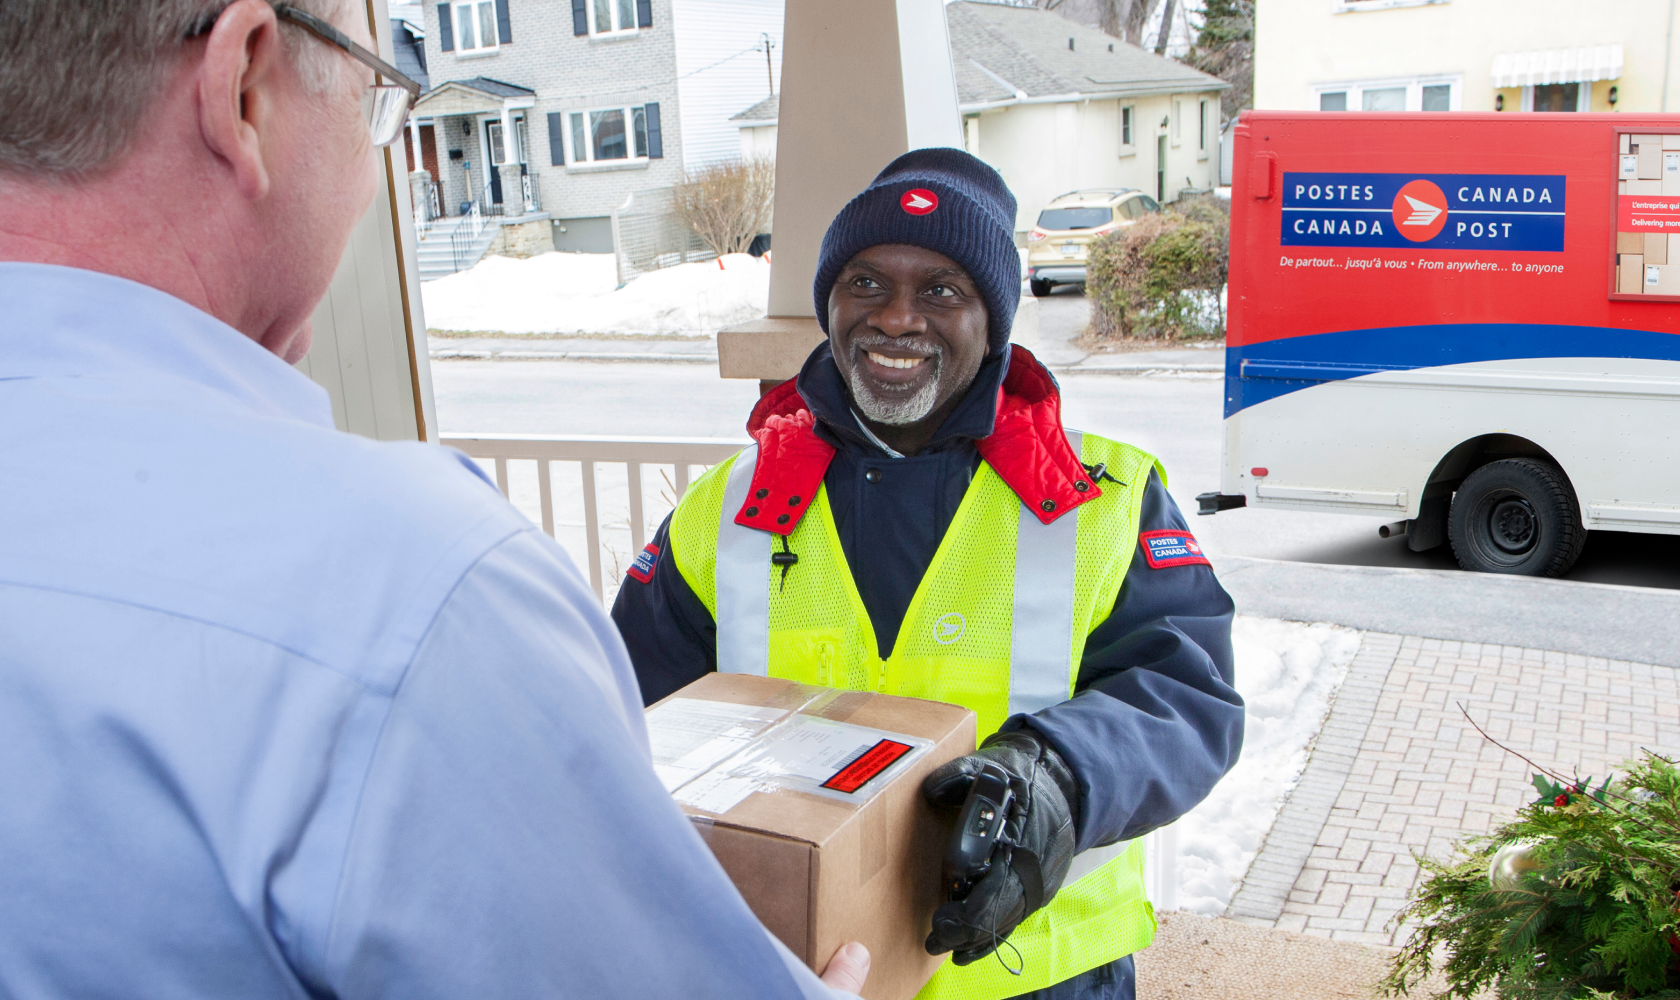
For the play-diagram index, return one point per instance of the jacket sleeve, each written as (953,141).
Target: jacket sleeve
(670,635)
(1156,719)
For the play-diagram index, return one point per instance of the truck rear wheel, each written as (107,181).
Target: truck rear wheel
(1516,515)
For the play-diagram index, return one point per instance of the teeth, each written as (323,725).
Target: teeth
(886,362)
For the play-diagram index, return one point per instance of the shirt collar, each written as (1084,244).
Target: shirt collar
(69,322)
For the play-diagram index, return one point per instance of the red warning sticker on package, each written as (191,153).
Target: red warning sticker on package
(867,765)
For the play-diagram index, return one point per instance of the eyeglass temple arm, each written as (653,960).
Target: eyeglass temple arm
(310,22)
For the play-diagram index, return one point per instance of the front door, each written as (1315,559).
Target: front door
(1161,169)
(493,139)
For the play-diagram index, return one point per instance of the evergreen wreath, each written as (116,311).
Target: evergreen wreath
(1574,898)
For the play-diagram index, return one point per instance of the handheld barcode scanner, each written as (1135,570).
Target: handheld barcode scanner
(978,826)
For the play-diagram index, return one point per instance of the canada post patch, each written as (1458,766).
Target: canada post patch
(1171,548)
(642,569)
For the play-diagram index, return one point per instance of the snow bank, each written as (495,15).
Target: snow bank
(572,293)
(1286,673)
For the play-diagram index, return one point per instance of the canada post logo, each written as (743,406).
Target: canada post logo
(1433,211)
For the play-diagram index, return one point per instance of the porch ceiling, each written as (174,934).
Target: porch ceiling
(457,99)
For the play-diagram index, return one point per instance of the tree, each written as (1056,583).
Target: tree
(1225,48)
(1120,18)
(727,204)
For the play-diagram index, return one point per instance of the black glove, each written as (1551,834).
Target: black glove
(1034,849)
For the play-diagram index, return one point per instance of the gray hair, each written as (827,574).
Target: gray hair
(78,76)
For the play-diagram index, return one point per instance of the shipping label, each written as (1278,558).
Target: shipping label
(1424,211)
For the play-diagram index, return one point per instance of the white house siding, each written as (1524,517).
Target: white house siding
(717,73)
(571,73)
(1045,150)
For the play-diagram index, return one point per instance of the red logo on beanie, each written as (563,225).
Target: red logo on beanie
(918,201)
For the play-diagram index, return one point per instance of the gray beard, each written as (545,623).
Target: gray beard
(897,409)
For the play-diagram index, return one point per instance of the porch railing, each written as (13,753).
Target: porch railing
(630,453)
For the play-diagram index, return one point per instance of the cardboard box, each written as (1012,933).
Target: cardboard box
(1656,248)
(1671,172)
(1630,274)
(820,871)
(1627,167)
(1631,242)
(1650,157)
(1671,141)
(1668,280)
(1641,187)
(1623,141)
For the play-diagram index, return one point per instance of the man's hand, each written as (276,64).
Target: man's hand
(1035,847)
(848,968)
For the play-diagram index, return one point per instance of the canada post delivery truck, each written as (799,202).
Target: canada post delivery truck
(1467,325)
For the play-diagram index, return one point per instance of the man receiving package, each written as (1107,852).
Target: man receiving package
(284,712)
(915,520)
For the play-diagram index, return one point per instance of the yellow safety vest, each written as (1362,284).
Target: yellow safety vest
(997,625)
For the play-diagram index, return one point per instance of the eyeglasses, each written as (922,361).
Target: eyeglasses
(385,106)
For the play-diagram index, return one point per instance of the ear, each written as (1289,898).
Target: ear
(237,100)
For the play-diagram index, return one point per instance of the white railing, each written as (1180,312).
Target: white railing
(536,453)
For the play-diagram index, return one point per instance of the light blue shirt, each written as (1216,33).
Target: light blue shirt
(285,712)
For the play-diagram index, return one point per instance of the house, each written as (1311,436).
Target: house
(1466,55)
(408,41)
(554,112)
(1056,106)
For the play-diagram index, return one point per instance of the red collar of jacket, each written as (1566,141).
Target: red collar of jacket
(1027,447)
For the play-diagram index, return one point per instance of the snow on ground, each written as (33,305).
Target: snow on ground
(572,293)
(1287,673)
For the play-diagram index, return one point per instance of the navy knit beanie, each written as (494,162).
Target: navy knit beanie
(943,200)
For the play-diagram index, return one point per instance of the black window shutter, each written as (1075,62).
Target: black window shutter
(556,140)
(656,145)
(580,18)
(504,28)
(644,13)
(446,29)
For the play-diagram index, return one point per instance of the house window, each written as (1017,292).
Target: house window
(1128,117)
(1422,94)
(1177,117)
(1202,130)
(1557,97)
(610,134)
(610,17)
(475,25)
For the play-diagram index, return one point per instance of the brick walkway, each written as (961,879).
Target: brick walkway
(1397,769)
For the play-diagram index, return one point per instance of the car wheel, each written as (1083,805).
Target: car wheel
(1517,515)
(1039,288)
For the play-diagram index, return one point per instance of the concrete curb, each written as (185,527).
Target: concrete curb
(451,354)
(1592,619)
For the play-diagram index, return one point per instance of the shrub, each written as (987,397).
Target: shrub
(1161,277)
(727,204)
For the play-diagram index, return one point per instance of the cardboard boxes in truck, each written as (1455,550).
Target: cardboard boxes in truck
(811,801)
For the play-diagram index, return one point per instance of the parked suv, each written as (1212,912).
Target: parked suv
(1056,246)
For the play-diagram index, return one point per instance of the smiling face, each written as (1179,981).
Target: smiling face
(908,328)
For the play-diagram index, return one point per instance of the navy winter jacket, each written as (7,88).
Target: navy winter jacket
(1155,721)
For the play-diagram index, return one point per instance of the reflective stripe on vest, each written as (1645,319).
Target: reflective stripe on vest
(1043,619)
(743,572)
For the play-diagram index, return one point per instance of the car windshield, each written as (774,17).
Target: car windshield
(1074,218)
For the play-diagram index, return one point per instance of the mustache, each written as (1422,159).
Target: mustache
(867,342)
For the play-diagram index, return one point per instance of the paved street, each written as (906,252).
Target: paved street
(1174,416)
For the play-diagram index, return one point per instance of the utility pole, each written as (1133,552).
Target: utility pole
(769,69)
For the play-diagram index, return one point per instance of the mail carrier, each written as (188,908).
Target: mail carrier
(1467,325)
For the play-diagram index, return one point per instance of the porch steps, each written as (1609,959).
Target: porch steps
(436,248)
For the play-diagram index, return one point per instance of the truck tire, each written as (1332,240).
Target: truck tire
(1519,516)
(1039,288)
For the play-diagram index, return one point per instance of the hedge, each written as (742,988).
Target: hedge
(1161,277)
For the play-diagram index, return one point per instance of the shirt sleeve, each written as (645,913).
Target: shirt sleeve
(671,636)
(1156,720)
(512,840)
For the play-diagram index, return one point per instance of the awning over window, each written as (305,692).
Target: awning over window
(1582,65)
